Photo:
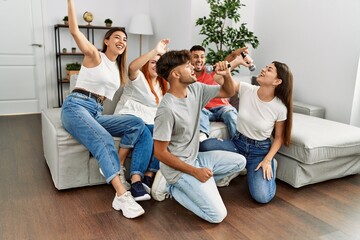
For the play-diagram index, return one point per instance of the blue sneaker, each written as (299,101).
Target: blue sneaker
(138,192)
(147,183)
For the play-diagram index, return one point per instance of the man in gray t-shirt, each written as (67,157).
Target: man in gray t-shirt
(193,177)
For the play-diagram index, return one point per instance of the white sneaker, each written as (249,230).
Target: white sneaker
(158,190)
(127,185)
(129,207)
(224,182)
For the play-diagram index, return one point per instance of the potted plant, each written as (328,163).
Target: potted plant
(66,19)
(225,38)
(108,22)
(71,69)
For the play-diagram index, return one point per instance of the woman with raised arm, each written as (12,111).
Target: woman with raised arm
(101,74)
(141,97)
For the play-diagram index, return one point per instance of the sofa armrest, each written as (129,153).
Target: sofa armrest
(307,109)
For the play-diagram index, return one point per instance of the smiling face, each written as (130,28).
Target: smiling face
(116,43)
(268,75)
(198,60)
(185,73)
(152,66)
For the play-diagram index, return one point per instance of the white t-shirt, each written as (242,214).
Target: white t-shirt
(256,119)
(103,79)
(138,100)
(177,121)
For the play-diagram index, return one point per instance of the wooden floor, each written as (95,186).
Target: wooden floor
(31,207)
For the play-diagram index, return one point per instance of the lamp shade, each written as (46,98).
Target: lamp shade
(140,24)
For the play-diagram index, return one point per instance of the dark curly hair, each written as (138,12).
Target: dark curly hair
(171,60)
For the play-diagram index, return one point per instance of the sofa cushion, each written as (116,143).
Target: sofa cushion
(316,140)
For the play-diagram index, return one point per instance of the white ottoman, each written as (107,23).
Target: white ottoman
(320,150)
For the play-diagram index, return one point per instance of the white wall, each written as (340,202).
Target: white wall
(171,19)
(355,112)
(320,41)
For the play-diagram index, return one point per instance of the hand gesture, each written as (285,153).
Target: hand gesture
(161,47)
(222,68)
(203,174)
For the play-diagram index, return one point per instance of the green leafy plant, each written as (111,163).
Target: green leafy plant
(225,38)
(66,18)
(108,21)
(73,66)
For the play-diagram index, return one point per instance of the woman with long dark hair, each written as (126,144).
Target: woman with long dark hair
(265,111)
(100,76)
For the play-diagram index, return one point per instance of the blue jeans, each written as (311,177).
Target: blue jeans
(226,114)
(82,117)
(204,199)
(154,163)
(261,190)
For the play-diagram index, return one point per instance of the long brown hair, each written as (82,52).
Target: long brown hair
(122,58)
(284,92)
(163,83)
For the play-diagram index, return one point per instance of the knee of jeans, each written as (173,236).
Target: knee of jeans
(220,215)
(262,197)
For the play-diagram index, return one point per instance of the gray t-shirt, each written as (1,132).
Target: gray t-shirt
(177,121)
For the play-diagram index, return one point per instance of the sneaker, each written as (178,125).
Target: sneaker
(138,192)
(127,205)
(158,190)
(243,172)
(122,177)
(147,183)
(224,182)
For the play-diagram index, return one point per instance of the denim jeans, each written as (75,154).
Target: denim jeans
(82,117)
(204,199)
(154,163)
(226,114)
(261,190)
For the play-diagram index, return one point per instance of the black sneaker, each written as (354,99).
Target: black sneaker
(147,183)
(138,192)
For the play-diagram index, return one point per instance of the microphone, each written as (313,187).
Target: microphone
(251,67)
(209,69)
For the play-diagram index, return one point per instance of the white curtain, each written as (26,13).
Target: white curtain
(355,112)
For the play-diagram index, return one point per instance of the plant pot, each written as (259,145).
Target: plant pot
(108,24)
(73,50)
(69,73)
(66,22)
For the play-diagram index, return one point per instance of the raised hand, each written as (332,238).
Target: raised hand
(161,47)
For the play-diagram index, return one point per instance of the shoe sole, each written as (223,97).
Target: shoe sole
(129,215)
(146,187)
(142,198)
